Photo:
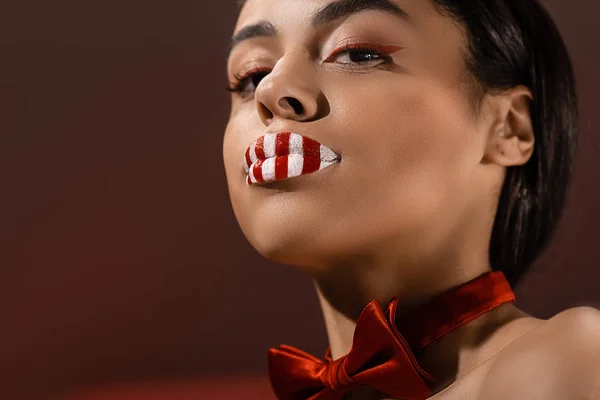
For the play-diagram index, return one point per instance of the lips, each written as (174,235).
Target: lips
(277,156)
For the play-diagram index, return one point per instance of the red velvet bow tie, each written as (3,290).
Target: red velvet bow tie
(381,358)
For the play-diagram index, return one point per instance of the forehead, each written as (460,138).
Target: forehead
(290,12)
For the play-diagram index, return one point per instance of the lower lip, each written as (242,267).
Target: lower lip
(284,167)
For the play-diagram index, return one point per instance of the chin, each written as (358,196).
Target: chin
(283,227)
(285,242)
(289,253)
(308,245)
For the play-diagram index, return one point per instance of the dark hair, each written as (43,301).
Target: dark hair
(514,43)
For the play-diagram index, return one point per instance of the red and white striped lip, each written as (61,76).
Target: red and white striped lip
(277,156)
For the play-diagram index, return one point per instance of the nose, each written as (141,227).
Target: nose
(291,92)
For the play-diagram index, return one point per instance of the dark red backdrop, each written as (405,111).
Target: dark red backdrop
(120,256)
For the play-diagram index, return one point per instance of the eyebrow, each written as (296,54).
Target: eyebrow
(261,29)
(344,8)
(331,12)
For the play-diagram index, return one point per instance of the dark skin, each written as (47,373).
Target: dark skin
(409,210)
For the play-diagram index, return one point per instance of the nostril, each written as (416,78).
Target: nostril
(264,111)
(295,104)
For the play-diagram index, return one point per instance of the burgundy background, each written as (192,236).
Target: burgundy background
(120,257)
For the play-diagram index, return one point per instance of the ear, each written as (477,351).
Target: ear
(511,137)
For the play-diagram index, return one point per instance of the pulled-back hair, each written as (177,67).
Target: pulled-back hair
(511,43)
(514,43)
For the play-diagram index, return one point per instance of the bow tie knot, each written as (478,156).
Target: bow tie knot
(335,377)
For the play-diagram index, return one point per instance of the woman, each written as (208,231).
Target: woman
(398,151)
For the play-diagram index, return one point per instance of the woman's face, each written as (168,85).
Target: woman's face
(381,83)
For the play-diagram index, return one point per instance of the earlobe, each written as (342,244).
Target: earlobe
(511,139)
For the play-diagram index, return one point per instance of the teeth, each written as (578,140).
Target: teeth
(284,155)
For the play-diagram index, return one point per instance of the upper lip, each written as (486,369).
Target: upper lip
(271,150)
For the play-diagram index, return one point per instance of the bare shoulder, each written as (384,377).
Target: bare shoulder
(560,359)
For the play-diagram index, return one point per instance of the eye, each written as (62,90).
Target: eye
(246,82)
(361,53)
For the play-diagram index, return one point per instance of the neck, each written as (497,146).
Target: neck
(449,358)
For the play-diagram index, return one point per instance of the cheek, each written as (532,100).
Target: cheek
(430,129)
(237,133)
(243,127)
(231,145)
(416,141)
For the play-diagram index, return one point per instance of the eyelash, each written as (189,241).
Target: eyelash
(382,53)
(243,78)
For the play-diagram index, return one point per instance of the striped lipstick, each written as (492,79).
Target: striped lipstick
(278,156)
